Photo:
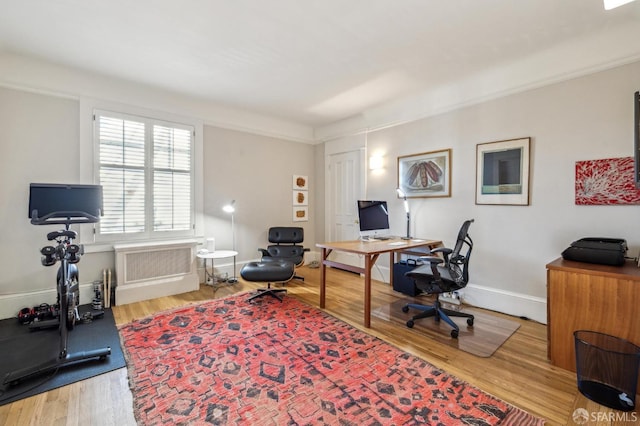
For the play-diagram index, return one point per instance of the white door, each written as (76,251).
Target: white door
(346,187)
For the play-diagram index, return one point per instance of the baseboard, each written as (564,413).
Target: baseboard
(136,292)
(507,302)
(312,256)
(11,304)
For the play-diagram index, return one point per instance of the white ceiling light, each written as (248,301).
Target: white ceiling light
(612,4)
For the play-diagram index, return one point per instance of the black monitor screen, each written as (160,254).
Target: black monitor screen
(373,215)
(80,202)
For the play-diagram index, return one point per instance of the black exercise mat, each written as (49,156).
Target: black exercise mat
(22,348)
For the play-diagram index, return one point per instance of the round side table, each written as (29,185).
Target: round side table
(218,254)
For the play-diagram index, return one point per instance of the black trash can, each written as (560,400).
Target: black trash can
(607,369)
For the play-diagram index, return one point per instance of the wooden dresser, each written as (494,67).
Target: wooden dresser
(584,296)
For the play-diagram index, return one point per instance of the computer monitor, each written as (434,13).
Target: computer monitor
(374,218)
(64,204)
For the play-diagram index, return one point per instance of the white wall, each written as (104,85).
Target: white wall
(40,141)
(257,172)
(582,119)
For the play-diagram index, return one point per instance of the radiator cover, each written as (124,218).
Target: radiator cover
(155,269)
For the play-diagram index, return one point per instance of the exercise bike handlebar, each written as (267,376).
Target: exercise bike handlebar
(63,218)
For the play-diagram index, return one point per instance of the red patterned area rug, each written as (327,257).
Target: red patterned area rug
(231,362)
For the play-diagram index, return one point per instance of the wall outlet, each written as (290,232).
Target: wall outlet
(454,298)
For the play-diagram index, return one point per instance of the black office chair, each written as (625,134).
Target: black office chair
(285,247)
(443,275)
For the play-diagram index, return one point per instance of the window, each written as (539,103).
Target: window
(145,167)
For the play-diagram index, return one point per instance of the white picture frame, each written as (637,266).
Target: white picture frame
(300,214)
(502,172)
(300,182)
(300,198)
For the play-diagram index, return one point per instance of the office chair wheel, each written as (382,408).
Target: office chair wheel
(454,333)
(410,323)
(405,309)
(470,322)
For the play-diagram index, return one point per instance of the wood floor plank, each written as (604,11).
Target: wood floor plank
(518,372)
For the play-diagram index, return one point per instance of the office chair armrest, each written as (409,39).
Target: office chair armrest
(433,260)
(443,250)
(445,253)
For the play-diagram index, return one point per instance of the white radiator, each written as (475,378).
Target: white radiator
(155,269)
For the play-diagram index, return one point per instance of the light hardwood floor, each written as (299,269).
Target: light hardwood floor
(518,372)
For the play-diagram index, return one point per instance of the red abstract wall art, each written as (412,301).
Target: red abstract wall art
(606,182)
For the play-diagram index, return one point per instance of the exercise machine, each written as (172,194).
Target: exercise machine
(50,256)
(59,204)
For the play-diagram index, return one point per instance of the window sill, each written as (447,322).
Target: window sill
(109,246)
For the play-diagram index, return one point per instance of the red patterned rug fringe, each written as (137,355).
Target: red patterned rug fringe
(231,362)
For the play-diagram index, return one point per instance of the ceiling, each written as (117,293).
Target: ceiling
(313,62)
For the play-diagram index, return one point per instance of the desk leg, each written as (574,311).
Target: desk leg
(323,278)
(368,264)
(392,261)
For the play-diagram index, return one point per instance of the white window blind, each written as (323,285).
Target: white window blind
(146,170)
(171,178)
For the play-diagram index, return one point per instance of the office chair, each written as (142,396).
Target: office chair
(285,247)
(443,275)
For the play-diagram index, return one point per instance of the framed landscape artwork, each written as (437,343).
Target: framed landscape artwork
(502,172)
(425,175)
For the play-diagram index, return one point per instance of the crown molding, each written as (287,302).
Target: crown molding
(588,55)
(37,76)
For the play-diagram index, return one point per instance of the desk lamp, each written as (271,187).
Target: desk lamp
(401,194)
(230,208)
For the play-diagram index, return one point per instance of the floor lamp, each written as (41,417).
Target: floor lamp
(401,194)
(230,208)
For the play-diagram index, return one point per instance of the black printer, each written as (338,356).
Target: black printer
(603,251)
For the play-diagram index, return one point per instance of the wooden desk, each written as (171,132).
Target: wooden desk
(370,250)
(584,296)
